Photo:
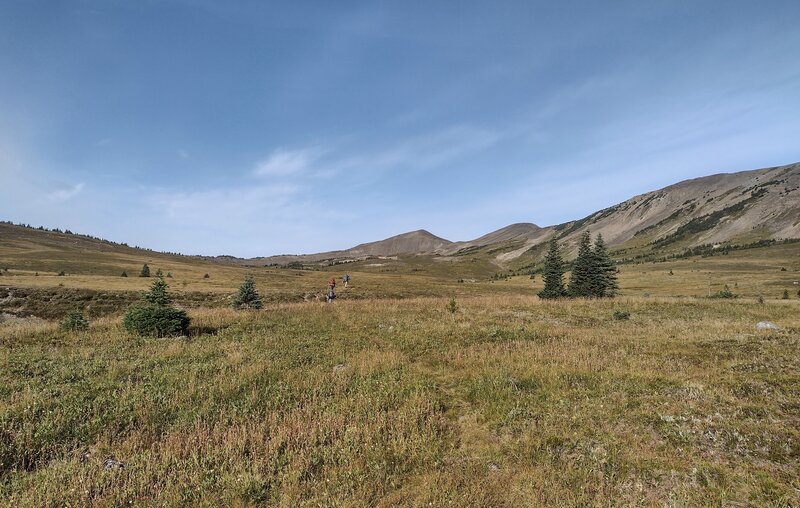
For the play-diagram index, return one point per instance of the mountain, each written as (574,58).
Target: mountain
(723,208)
(741,207)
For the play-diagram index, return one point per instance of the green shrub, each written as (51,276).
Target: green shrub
(74,322)
(785,294)
(145,271)
(725,293)
(156,320)
(452,306)
(124,274)
(154,316)
(62,273)
(621,315)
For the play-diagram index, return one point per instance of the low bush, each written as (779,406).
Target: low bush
(621,315)
(156,320)
(74,322)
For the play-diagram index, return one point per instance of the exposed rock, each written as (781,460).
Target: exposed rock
(767,325)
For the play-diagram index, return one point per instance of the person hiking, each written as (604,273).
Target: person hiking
(331,286)
(346,279)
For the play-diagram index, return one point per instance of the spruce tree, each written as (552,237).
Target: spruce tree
(553,275)
(247,297)
(158,292)
(604,271)
(580,282)
(145,271)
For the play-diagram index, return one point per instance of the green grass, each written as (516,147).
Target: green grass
(510,401)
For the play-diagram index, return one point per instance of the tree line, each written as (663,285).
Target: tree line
(594,274)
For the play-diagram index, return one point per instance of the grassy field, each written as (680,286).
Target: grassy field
(385,398)
(510,401)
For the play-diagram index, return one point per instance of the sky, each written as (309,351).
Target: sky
(255,128)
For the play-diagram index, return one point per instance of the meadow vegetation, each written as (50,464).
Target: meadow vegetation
(430,381)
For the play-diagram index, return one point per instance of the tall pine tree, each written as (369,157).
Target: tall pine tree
(580,282)
(604,271)
(553,275)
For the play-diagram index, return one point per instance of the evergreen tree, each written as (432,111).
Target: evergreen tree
(158,292)
(247,297)
(580,282)
(145,271)
(553,275)
(603,271)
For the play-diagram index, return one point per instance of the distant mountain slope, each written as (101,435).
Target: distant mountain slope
(734,207)
(731,207)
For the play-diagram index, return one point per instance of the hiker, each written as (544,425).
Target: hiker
(346,279)
(331,287)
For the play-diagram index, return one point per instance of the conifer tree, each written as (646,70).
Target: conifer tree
(158,292)
(604,271)
(580,282)
(247,297)
(553,275)
(145,271)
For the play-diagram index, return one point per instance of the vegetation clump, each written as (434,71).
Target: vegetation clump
(621,315)
(452,306)
(785,294)
(124,274)
(145,271)
(725,293)
(155,316)
(74,322)
(247,297)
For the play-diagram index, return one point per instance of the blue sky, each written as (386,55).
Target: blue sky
(256,128)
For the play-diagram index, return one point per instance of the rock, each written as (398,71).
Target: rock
(339,368)
(767,325)
(493,467)
(112,463)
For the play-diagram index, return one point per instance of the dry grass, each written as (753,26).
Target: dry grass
(509,402)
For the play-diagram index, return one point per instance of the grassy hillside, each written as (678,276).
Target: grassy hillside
(511,401)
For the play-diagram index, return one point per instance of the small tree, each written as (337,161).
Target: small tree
(74,322)
(158,292)
(553,275)
(247,297)
(124,274)
(785,294)
(603,271)
(452,306)
(154,316)
(145,271)
(582,278)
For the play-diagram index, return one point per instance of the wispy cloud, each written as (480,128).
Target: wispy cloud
(284,162)
(63,193)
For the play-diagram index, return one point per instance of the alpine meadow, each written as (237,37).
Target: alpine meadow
(197,307)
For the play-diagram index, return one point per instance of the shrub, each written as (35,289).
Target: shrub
(452,306)
(154,316)
(761,300)
(725,293)
(62,273)
(74,322)
(145,271)
(621,315)
(124,274)
(206,276)
(156,320)
(785,294)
